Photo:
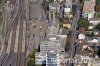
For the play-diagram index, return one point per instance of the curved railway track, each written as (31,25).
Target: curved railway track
(19,18)
(10,25)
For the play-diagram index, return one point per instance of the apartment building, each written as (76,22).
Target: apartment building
(54,9)
(88,9)
(68,8)
(50,59)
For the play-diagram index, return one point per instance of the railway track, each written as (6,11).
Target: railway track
(12,26)
(5,48)
(9,28)
(20,55)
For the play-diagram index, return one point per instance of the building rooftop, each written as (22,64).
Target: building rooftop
(52,43)
(67,22)
(88,6)
(54,7)
(94,19)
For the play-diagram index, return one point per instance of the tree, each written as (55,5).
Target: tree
(31,62)
(32,55)
(97,8)
(60,24)
(45,5)
(0,1)
(61,19)
(97,2)
(83,23)
(92,34)
(74,9)
(98,27)
(44,2)
(66,18)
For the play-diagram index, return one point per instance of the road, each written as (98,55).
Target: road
(74,32)
(36,16)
